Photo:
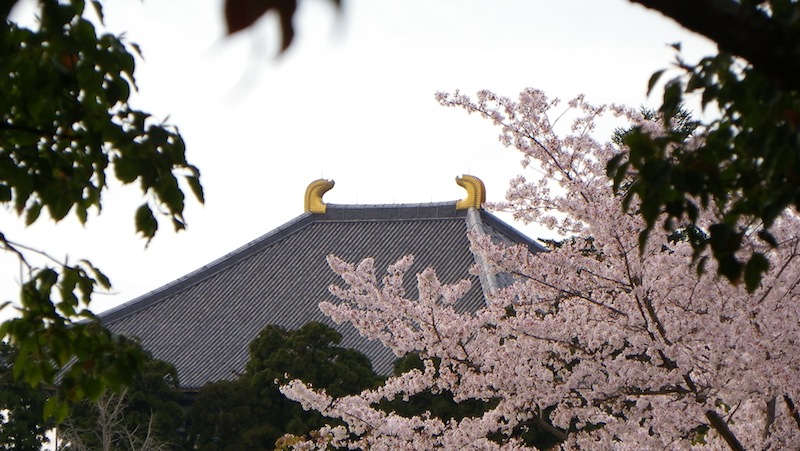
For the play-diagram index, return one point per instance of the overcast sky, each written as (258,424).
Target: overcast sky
(352,101)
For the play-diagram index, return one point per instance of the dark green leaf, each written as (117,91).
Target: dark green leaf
(178,224)
(755,269)
(768,238)
(99,277)
(730,268)
(146,223)
(32,214)
(643,235)
(5,193)
(98,8)
(724,240)
(673,97)
(92,387)
(84,32)
(126,169)
(196,187)
(653,80)
(56,409)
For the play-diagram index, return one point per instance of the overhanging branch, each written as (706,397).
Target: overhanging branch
(768,45)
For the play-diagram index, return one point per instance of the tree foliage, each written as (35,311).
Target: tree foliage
(741,163)
(22,426)
(612,345)
(250,413)
(66,131)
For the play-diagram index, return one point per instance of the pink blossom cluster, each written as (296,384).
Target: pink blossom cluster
(622,347)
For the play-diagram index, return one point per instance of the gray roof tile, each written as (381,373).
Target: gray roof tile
(203,322)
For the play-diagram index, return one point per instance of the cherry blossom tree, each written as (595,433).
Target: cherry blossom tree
(607,344)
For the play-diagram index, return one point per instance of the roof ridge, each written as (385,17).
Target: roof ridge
(389,212)
(413,204)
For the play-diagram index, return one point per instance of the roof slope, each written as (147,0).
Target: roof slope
(203,322)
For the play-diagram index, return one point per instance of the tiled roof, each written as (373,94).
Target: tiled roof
(203,322)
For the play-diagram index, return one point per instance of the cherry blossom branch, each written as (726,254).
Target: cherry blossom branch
(572,293)
(792,409)
(721,426)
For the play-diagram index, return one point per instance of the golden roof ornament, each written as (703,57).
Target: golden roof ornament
(476,192)
(314,193)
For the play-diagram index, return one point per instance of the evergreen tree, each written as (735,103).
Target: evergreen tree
(250,412)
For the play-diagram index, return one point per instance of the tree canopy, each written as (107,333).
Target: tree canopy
(66,131)
(250,413)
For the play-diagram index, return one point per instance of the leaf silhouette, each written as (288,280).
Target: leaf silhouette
(241,14)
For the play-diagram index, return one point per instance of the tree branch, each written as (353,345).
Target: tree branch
(792,409)
(560,435)
(22,128)
(571,293)
(747,32)
(719,425)
(771,404)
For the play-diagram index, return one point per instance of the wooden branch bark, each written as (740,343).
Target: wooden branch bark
(792,409)
(719,425)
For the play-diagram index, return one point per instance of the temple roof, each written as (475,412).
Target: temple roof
(203,322)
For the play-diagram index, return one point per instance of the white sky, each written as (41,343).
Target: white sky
(352,101)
